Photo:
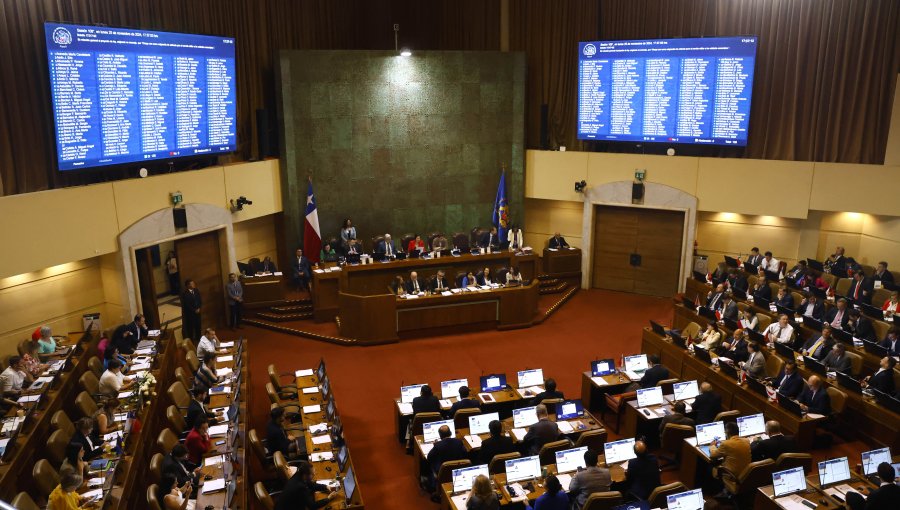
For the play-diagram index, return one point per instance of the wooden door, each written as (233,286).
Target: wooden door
(637,250)
(199,259)
(147,287)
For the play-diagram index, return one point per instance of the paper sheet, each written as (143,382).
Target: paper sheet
(320,457)
(225,345)
(125,394)
(218,430)
(405,407)
(139,367)
(566,428)
(303,373)
(599,381)
(318,428)
(519,434)
(564,479)
(460,500)
(223,359)
(426,448)
(222,372)
(814,416)
(145,352)
(96,493)
(212,485)
(445,403)
(323,439)
(474,441)
(28,398)
(312,409)
(311,389)
(792,502)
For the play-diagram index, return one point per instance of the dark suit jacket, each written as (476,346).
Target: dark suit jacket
(466,403)
(422,404)
(382,245)
(182,473)
(677,419)
(706,406)
(865,289)
(839,267)
(89,454)
(754,259)
(829,317)
(887,276)
(792,386)
(738,282)
(137,333)
(544,395)
(818,310)
(494,446)
(489,239)
(301,267)
(191,301)
(541,433)
(653,375)
(714,301)
(886,343)
(558,242)
(730,311)
(298,494)
(196,410)
(822,351)
(642,475)
(764,292)
(268,267)
(445,450)
(882,497)
(863,329)
(738,352)
(410,287)
(883,381)
(820,403)
(773,447)
(838,365)
(444,284)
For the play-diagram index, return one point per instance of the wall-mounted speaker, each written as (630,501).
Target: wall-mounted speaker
(637,191)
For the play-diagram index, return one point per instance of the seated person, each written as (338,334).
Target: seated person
(755,366)
(735,348)
(73,459)
(464,402)
(729,308)
(881,497)
(891,341)
(301,270)
(136,331)
(439,283)
(447,448)
(439,244)
(31,360)
(416,244)
(484,278)
(206,378)
(398,286)
(549,392)
(654,373)
(84,434)
(838,316)
(883,379)
(105,418)
(469,280)
(46,342)
(789,382)
(861,288)
(327,254)
(711,338)
(557,242)
(176,464)
(837,360)
(386,247)
(769,263)
(197,407)
(497,444)
(707,404)
(761,289)
(589,480)
(677,417)
(819,347)
(796,272)
(489,240)
(267,266)
(776,444)
(734,452)
(514,239)
(860,326)
(720,274)
(749,319)
(553,498)
(781,331)
(112,381)
(300,490)
(208,343)
(882,274)
(541,433)
(277,437)
(736,280)
(714,297)
(642,474)
(811,307)
(65,497)
(814,399)
(112,353)
(354,247)
(414,285)
(426,402)
(785,299)
(513,276)
(197,442)
(754,258)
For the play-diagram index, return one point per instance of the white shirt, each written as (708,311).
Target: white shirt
(781,334)
(111,382)
(205,346)
(11,380)
(770,265)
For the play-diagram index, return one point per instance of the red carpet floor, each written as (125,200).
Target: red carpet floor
(591,325)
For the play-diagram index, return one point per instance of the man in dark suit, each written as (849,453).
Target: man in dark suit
(135,332)
(489,240)
(197,408)
(426,402)
(642,475)
(654,373)
(414,285)
(811,307)
(300,490)
(837,263)
(714,297)
(445,449)
(861,288)
(267,266)
(439,283)
(678,417)
(735,348)
(84,435)
(464,402)
(541,433)
(785,299)
(819,347)
(558,242)
(386,247)
(789,380)
(882,274)
(176,464)
(814,398)
(761,289)
(497,444)
(549,392)
(754,258)
(775,445)
(891,341)
(736,280)
(302,270)
(882,496)
(860,326)
(354,247)
(190,311)
(837,360)
(883,379)
(838,316)
(707,404)
(729,308)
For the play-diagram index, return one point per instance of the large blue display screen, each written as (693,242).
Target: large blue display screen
(693,91)
(122,95)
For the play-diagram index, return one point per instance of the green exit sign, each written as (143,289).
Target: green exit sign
(639,175)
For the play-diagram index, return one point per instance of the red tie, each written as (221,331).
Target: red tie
(856,291)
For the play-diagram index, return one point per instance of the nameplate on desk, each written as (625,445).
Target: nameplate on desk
(303,373)
(599,381)
(312,409)
(120,417)
(487,398)
(474,441)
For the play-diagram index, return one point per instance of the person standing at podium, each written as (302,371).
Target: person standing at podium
(515,239)
(348,233)
(558,242)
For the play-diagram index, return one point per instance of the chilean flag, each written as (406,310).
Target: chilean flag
(312,236)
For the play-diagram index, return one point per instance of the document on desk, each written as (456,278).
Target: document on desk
(814,416)
(460,500)
(222,372)
(318,428)
(426,448)
(140,367)
(474,441)
(223,359)
(318,271)
(212,485)
(94,482)
(311,389)
(144,352)
(312,409)
(487,398)
(599,381)
(323,439)
(794,502)
(154,333)
(125,394)
(218,430)
(519,434)
(121,417)
(445,403)
(564,479)
(94,494)
(455,291)
(320,457)
(411,296)
(529,392)
(112,436)
(28,398)
(565,427)
(446,293)
(517,492)
(405,407)
(43,380)
(215,460)
(226,345)
(303,373)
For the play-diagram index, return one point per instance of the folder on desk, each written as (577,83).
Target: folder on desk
(599,381)
(487,398)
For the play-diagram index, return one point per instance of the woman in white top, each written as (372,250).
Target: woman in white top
(171,496)
(752,321)
(515,239)
(711,337)
(486,276)
(208,343)
(513,276)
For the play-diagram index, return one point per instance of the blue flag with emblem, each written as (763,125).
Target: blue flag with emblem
(500,218)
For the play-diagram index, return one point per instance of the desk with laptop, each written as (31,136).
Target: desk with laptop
(604,378)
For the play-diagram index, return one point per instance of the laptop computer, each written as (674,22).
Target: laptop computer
(657,328)
(688,303)
(480,423)
(874,348)
(618,451)
(886,400)
(707,313)
(430,430)
(757,386)
(812,323)
(873,458)
(756,335)
(762,302)
(732,262)
(521,469)
(728,369)
(602,367)
(814,365)
(842,336)
(730,323)
(530,377)
(783,310)
(635,365)
(702,354)
(679,340)
(524,417)
(492,382)
(872,311)
(349,483)
(753,425)
(789,405)
(649,397)
(738,293)
(686,390)
(408,393)
(848,382)
(450,389)
(463,477)
(700,277)
(750,267)
(709,432)
(784,350)
(689,500)
(570,460)
(834,471)
(569,409)
(789,481)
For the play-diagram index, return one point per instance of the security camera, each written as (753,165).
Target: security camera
(579,186)
(238,205)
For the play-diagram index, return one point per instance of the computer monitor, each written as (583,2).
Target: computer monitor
(320,370)
(570,460)
(330,409)
(752,425)
(636,363)
(569,409)
(230,487)
(602,367)
(528,378)
(685,390)
(789,481)
(690,500)
(408,393)
(493,382)
(896,466)
(326,386)
(525,468)
(649,397)
(834,471)
(430,430)
(479,424)
(658,328)
(450,388)
(708,432)
(524,417)
(872,458)
(342,457)
(463,477)
(619,451)
(349,485)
